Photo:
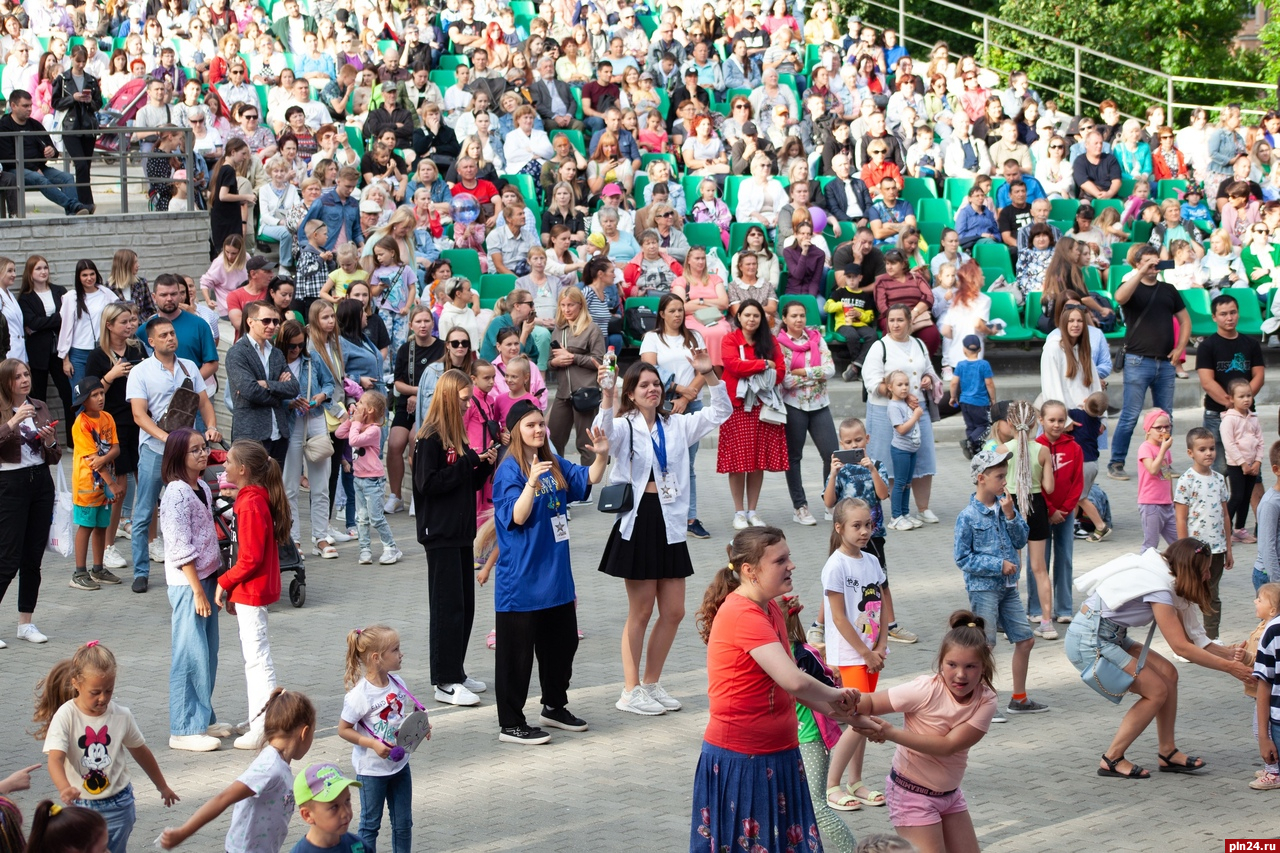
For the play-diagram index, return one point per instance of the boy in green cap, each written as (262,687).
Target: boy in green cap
(325,805)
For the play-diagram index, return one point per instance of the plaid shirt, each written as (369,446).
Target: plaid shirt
(311,273)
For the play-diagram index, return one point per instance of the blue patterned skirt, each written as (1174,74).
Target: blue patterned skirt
(752,804)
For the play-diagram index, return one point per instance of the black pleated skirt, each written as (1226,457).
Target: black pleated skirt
(647,556)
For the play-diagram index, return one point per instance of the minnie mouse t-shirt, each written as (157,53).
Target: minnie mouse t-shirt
(94,748)
(382,709)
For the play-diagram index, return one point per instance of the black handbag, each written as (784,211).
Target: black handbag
(618,498)
(587,398)
(639,320)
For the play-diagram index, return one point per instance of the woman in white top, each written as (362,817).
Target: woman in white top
(1053,171)
(463,311)
(11,311)
(968,314)
(1067,372)
(898,350)
(648,545)
(670,348)
(274,199)
(761,196)
(757,242)
(457,99)
(82,319)
(525,146)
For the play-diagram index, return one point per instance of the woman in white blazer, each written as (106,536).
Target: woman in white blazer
(274,198)
(647,547)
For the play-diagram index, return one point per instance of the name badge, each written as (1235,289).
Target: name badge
(667,489)
(560,527)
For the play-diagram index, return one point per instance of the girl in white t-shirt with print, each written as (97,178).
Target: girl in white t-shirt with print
(857,610)
(375,706)
(263,795)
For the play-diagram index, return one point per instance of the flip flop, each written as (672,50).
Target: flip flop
(1191,765)
(1135,771)
(841,800)
(875,799)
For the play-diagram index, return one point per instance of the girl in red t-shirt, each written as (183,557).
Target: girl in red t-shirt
(751,758)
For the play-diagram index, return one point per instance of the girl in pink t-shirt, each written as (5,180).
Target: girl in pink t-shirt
(944,715)
(1155,480)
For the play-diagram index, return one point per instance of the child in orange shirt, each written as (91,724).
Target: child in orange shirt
(93,436)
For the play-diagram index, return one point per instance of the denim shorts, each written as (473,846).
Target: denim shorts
(1089,632)
(1005,605)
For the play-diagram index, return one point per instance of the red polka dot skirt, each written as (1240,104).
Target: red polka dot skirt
(747,445)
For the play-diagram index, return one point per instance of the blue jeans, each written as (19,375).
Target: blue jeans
(695,406)
(369,491)
(1213,423)
(1057,555)
(904,466)
(79,361)
(1001,606)
(1141,373)
(593,124)
(50,182)
(1259,578)
(120,813)
(397,792)
(195,660)
(144,508)
(284,237)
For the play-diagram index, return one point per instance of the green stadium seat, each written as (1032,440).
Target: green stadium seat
(994,255)
(1250,310)
(353,139)
(444,78)
(637,189)
(496,285)
(1142,232)
(1034,311)
(703,234)
(1116,275)
(465,263)
(450,61)
(1004,308)
(1170,188)
(956,191)
(1063,208)
(931,232)
(990,274)
(1120,251)
(935,210)
(730,196)
(915,189)
(812,316)
(1197,302)
(691,184)
(650,302)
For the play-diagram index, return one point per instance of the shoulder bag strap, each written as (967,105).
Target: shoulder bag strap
(1146,647)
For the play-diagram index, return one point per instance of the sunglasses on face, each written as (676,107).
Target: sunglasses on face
(268,321)
(1057,147)
(1261,231)
(460,344)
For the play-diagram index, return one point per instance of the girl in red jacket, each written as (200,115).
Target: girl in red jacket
(262,524)
(1060,501)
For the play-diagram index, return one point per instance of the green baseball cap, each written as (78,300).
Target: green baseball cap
(322,783)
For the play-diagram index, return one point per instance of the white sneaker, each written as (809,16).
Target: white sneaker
(662,697)
(392,505)
(249,740)
(900,523)
(339,535)
(366,557)
(638,701)
(756,521)
(474,686)
(156,550)
(31,634)
(220,730)
(927,516)
(913,521)
(194,743)
(740,521)
(111,558)
(826,514)
(803,516)
(456,694)
(390,556)
(3,644)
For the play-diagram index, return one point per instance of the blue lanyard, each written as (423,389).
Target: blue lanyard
(553,495)
(660,448)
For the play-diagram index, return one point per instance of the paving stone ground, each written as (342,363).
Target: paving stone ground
(626,783)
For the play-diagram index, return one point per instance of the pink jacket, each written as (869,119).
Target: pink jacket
(367,465)
(1242,438)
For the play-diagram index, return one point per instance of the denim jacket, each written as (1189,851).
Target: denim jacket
(984,539)
(334,212)
(313,377)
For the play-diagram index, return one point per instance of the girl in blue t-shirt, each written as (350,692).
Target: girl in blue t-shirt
(533,587)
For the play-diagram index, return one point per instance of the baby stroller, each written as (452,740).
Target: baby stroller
(121,109)
(224,521)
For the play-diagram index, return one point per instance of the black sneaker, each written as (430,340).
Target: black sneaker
(104,576)
(562,718)
(140,583)
(966,448)
(1025,706)
(1116,472)
(523,734)
(697,531)
(84,581)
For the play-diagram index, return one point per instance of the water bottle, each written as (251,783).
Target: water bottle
(611,365)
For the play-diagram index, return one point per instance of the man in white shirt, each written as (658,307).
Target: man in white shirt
(150,389)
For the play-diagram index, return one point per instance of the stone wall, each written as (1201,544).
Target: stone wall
(165,242)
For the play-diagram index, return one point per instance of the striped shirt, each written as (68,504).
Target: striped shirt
(1264,665)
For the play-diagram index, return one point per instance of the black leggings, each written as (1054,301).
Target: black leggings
(26,512)
(1241,485)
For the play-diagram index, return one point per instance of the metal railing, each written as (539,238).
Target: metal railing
(14,194)
(1088,66)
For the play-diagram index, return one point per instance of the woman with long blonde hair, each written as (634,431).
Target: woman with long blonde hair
(326,344)
(447,473)
(128,285)
(577,351)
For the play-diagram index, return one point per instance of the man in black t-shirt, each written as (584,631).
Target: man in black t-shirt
(858,257)
(1220,358)
(1151,351)
(1013,216)
(1097,175)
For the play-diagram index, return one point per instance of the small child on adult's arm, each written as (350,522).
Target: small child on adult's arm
(1266,675)
(1243,444)
(324,803)
(1088,427)
(1200,507)
(973,388)
(96,446)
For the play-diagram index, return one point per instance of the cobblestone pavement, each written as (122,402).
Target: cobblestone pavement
(625,784)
